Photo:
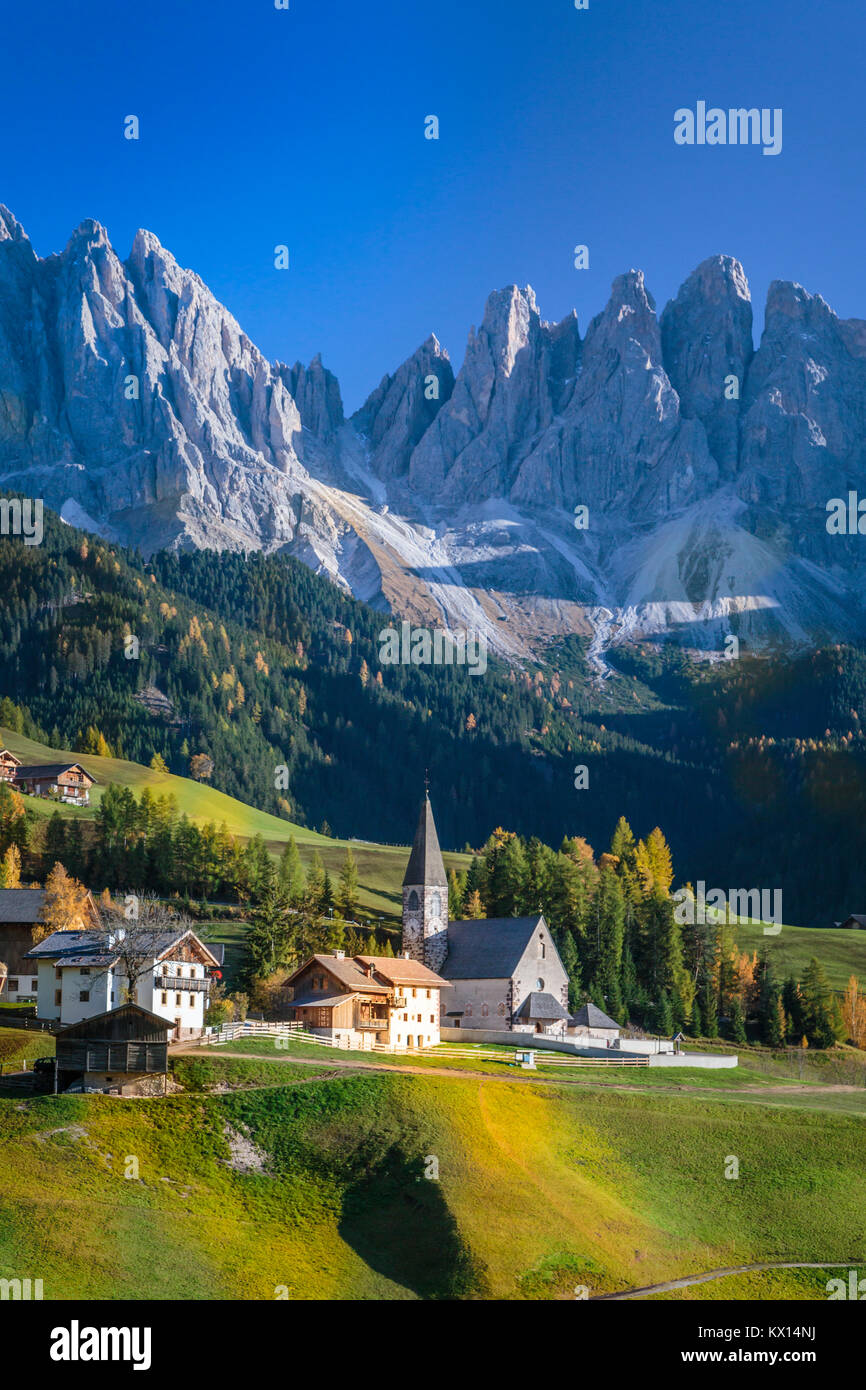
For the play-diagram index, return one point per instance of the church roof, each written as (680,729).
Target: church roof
(487,950)
(425,868)
(590,1016)
(541,1006)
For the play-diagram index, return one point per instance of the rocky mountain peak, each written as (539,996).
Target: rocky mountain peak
(10,227)
(706,334)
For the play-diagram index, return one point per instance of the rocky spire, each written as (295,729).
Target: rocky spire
(396,416)
(707,348)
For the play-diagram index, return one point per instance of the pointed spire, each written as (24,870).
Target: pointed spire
(425,868)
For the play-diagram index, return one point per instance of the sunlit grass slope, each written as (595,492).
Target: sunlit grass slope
(380,867)
(540,1189)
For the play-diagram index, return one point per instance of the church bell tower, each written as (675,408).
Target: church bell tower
(425,895)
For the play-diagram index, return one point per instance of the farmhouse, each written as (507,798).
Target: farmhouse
(123,1051)
(9,765)
(505,972)
(20,916)
(66,782)
(856,922)
(83,974)
(360,1000)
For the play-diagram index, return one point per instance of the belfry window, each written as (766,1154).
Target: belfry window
(413,901)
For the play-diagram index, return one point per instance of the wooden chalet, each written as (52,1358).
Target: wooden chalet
(67,782)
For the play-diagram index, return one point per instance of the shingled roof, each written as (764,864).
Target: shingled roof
(589,1016)
(542,1007)
(41,771)
(487,950)
(398,971)
(21,905)
(425,868)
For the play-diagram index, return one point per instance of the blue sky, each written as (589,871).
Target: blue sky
(306,127)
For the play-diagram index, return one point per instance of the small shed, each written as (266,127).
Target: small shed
(123,1052)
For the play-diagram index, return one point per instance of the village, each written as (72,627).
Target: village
(118,991)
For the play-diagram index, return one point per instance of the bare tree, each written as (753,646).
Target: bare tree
(135,934)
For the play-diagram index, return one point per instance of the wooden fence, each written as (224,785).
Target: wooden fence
(231,1032)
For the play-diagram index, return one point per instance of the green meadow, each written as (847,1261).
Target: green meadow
(388,1186)
(380,867)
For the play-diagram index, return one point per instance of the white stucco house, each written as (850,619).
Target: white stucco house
(83,973)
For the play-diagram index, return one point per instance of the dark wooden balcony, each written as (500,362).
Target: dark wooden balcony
(178,982)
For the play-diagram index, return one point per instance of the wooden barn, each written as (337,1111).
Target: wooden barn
(123,1052)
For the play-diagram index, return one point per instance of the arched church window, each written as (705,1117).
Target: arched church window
(539,984)
(435,905)
(413,901)
(500,1009)
(484,1011)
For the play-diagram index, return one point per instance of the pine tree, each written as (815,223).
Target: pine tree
(697,1029)
(736,1023)
(291,872)
(347,897)
(571,963)
(456,890)
(817,1013)
(710,1010)
(315,893)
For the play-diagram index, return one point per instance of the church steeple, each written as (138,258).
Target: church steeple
(425,895)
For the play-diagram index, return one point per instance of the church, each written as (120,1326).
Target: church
(505,973)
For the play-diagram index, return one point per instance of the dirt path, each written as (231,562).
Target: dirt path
(722,1274)
(184,1049)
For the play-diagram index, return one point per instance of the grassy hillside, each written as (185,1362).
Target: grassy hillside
(540,1189)
(380,867)
(842,953)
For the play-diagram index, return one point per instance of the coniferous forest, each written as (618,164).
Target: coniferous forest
(265,679)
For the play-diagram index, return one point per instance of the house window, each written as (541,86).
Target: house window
(85,970)
(58,996)
(468,1010)
(164,998)
(432,1018)
(429,994)
(34,984)
(84,996)
(58,973)
(191,999)
(177,999)
(12,985)
(541,948)
(165,970)
(500,1009)
(435,905)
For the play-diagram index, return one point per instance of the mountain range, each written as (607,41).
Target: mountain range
(133,403)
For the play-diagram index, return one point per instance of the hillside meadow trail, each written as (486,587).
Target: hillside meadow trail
(712,1274)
